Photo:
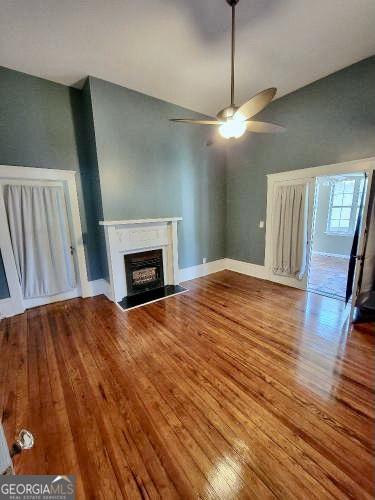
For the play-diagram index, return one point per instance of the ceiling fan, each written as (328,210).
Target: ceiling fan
(233,121)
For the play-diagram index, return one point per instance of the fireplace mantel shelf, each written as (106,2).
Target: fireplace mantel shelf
(137,221)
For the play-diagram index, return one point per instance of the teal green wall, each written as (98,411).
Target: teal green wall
(150,167)
(329,121)
(41,125)
(134,163)
(131,161)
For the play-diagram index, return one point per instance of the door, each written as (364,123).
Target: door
(358,247)
(275,216)
(40,232)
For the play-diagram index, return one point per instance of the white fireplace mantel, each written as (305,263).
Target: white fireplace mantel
(139,235)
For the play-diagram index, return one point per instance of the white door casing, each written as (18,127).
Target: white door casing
(309,175)
(309,184)
(361,243)
(12,174)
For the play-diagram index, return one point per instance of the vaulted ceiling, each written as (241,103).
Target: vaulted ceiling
(178,50)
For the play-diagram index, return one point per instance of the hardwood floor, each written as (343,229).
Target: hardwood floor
(328,275)
(239,388)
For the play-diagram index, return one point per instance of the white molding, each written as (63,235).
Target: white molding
(50,299)
(308,175)
(327,254)
(310,187)
(77,236)
(8,309)
(102,287)
(361,165)
(14,304)
(137,221)
(239,266)
(99,287)
(67,178)
(129,236)
(190,273)
(34,173)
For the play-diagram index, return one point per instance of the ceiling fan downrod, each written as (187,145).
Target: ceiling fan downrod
(233,121)
(232,4)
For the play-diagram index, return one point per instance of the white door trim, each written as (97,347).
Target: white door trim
(12,173)
(361,245)
(365,165)
(310,192)
(361,165)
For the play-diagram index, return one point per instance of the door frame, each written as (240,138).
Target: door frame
(365,165)
(309,183)
(363,232)
(15,303)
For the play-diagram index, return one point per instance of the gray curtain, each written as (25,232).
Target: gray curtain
(40,239)
(290,231)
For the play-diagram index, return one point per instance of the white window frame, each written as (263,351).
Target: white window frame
(353,207)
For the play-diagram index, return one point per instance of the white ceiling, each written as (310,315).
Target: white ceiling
(178,50)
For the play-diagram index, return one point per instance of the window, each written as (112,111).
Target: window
(345,199)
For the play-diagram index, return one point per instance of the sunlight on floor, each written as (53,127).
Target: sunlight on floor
(328,275)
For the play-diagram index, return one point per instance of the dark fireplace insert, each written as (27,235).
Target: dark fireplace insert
(144,271)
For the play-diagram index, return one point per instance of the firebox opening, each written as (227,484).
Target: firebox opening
(144,271)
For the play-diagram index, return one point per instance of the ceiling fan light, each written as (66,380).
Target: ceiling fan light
(232,128)
(240,117)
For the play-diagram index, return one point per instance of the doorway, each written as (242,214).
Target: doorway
(40,237)
(299,227)
(337,209)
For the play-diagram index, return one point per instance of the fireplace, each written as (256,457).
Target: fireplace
(144,271)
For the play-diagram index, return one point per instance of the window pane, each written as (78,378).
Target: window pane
(349,186)
(334,223)
(335,213)
(337,200)
(345,213)
(339,187)
(347,199)
(344,223)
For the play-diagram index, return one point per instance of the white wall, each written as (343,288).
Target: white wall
(323,242)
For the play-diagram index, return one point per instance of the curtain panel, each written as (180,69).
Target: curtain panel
(290,231)
(40,238)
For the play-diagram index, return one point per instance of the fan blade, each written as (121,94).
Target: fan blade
(253,106)
(264,127)
(195,122)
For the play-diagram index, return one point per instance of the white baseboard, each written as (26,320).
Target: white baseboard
(326,254)
(98,287)
(101,286)
(239,266)
(190,273)
(8,309)
(42,301)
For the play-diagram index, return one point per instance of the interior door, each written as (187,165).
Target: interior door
(67,231)
(309,184)
(358,246)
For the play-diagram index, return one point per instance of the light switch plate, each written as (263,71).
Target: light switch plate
(261,224)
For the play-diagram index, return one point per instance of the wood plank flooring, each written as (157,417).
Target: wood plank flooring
(239,388)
